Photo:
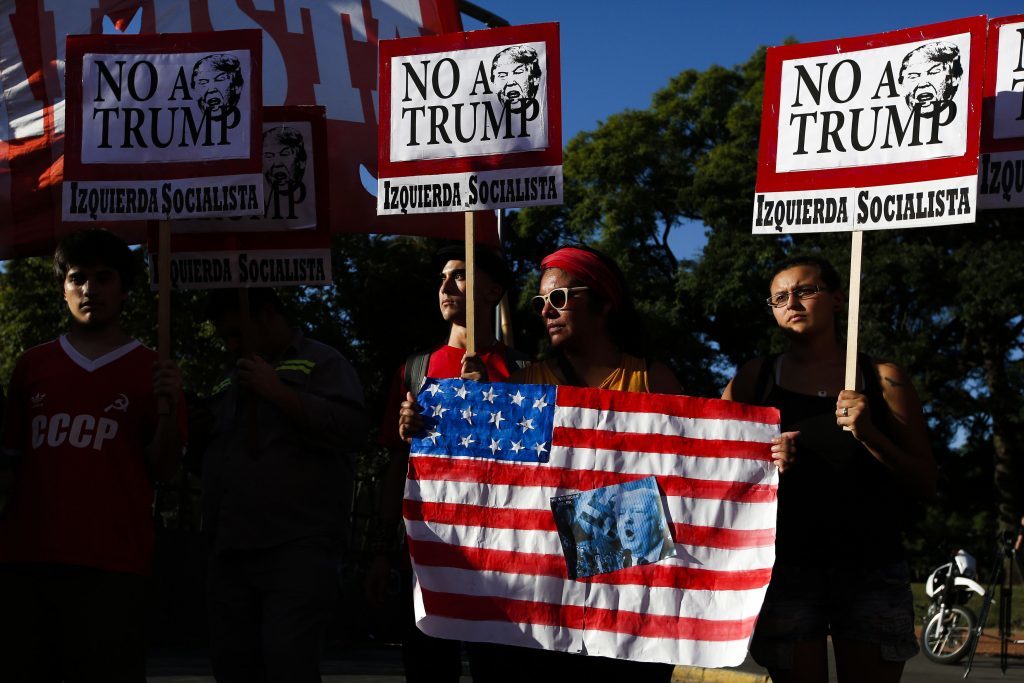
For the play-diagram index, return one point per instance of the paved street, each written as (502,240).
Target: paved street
(383,665)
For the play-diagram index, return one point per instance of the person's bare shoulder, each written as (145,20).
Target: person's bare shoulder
(741,386)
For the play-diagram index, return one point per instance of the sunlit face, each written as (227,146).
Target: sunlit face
(576,325)
(638,531)
(218,94)
(512,82)
(94,295)
(926,81)
(451,291)
(804,316)
(280,165)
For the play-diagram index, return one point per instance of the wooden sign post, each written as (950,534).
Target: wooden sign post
(470,284)
(853,310)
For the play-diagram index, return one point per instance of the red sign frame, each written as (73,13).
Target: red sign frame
(989,143)
(166,43)
(768,180)
(318,238)
(451,42)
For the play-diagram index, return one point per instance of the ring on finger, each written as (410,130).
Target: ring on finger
(846,412)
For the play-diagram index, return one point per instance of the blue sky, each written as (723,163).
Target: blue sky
(615,55)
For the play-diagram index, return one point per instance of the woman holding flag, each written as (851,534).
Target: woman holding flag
(860,457)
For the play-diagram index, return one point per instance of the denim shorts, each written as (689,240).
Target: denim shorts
(869,604)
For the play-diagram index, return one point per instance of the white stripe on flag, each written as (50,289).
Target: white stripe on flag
(658,423)
(659,464)
(655,600)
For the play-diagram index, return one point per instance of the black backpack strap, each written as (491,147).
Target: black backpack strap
(765,379)
(416,371)
(515,360)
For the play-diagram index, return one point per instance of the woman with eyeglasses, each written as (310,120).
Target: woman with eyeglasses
(860,458)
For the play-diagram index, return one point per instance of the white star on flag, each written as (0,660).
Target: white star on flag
(517,398)
(433,436)
(526,423)
(539,404)
(495,446)
(517,446)
(461,391)
(434,389)
(467,441)
(489,395)
(496,419)
(439,410)
(540,448)
(467,415)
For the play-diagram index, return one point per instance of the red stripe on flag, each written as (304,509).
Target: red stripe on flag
(523,474)
(543,520)
(493,608)
(632,442)
(437,554)
(727,539)
(678,406)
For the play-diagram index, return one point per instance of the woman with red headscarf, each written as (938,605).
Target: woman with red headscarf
(595,332)
(597,341)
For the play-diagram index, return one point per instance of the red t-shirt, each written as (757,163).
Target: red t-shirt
(445,362)
(82,494)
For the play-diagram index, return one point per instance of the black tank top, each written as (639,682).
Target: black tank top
(837,504)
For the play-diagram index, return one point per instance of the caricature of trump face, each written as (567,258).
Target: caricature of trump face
(217,80)
(284,157)
(515,75)
(930,74)
(638,529)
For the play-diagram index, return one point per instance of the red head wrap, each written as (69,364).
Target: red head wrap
(588,268)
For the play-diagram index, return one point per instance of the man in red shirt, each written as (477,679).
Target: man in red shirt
(83,424)
(426,658)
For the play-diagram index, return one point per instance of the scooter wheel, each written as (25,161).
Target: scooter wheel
(948,640)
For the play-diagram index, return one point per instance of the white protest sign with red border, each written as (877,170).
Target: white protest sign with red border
(289,243)
(163,126)
(872,132)
(470,121)
(1001,171)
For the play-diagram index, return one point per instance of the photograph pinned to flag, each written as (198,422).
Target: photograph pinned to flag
(612,527)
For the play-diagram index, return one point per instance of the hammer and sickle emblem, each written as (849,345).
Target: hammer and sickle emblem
(120,403)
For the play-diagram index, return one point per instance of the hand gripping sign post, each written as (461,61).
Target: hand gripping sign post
(1001,172)
(163,127)
(469,122)
(869,133)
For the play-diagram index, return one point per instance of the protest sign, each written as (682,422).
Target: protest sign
(163,127)
(872,132)
(289,242)
(470,121)
(1001,170)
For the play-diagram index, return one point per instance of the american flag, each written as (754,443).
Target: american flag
(487,558)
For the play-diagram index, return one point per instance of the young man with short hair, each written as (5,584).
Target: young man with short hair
(83,423)
(425,658)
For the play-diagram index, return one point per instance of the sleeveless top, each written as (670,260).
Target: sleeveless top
(631,375)
(837,505)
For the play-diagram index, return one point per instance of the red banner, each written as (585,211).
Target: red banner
(315,52)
